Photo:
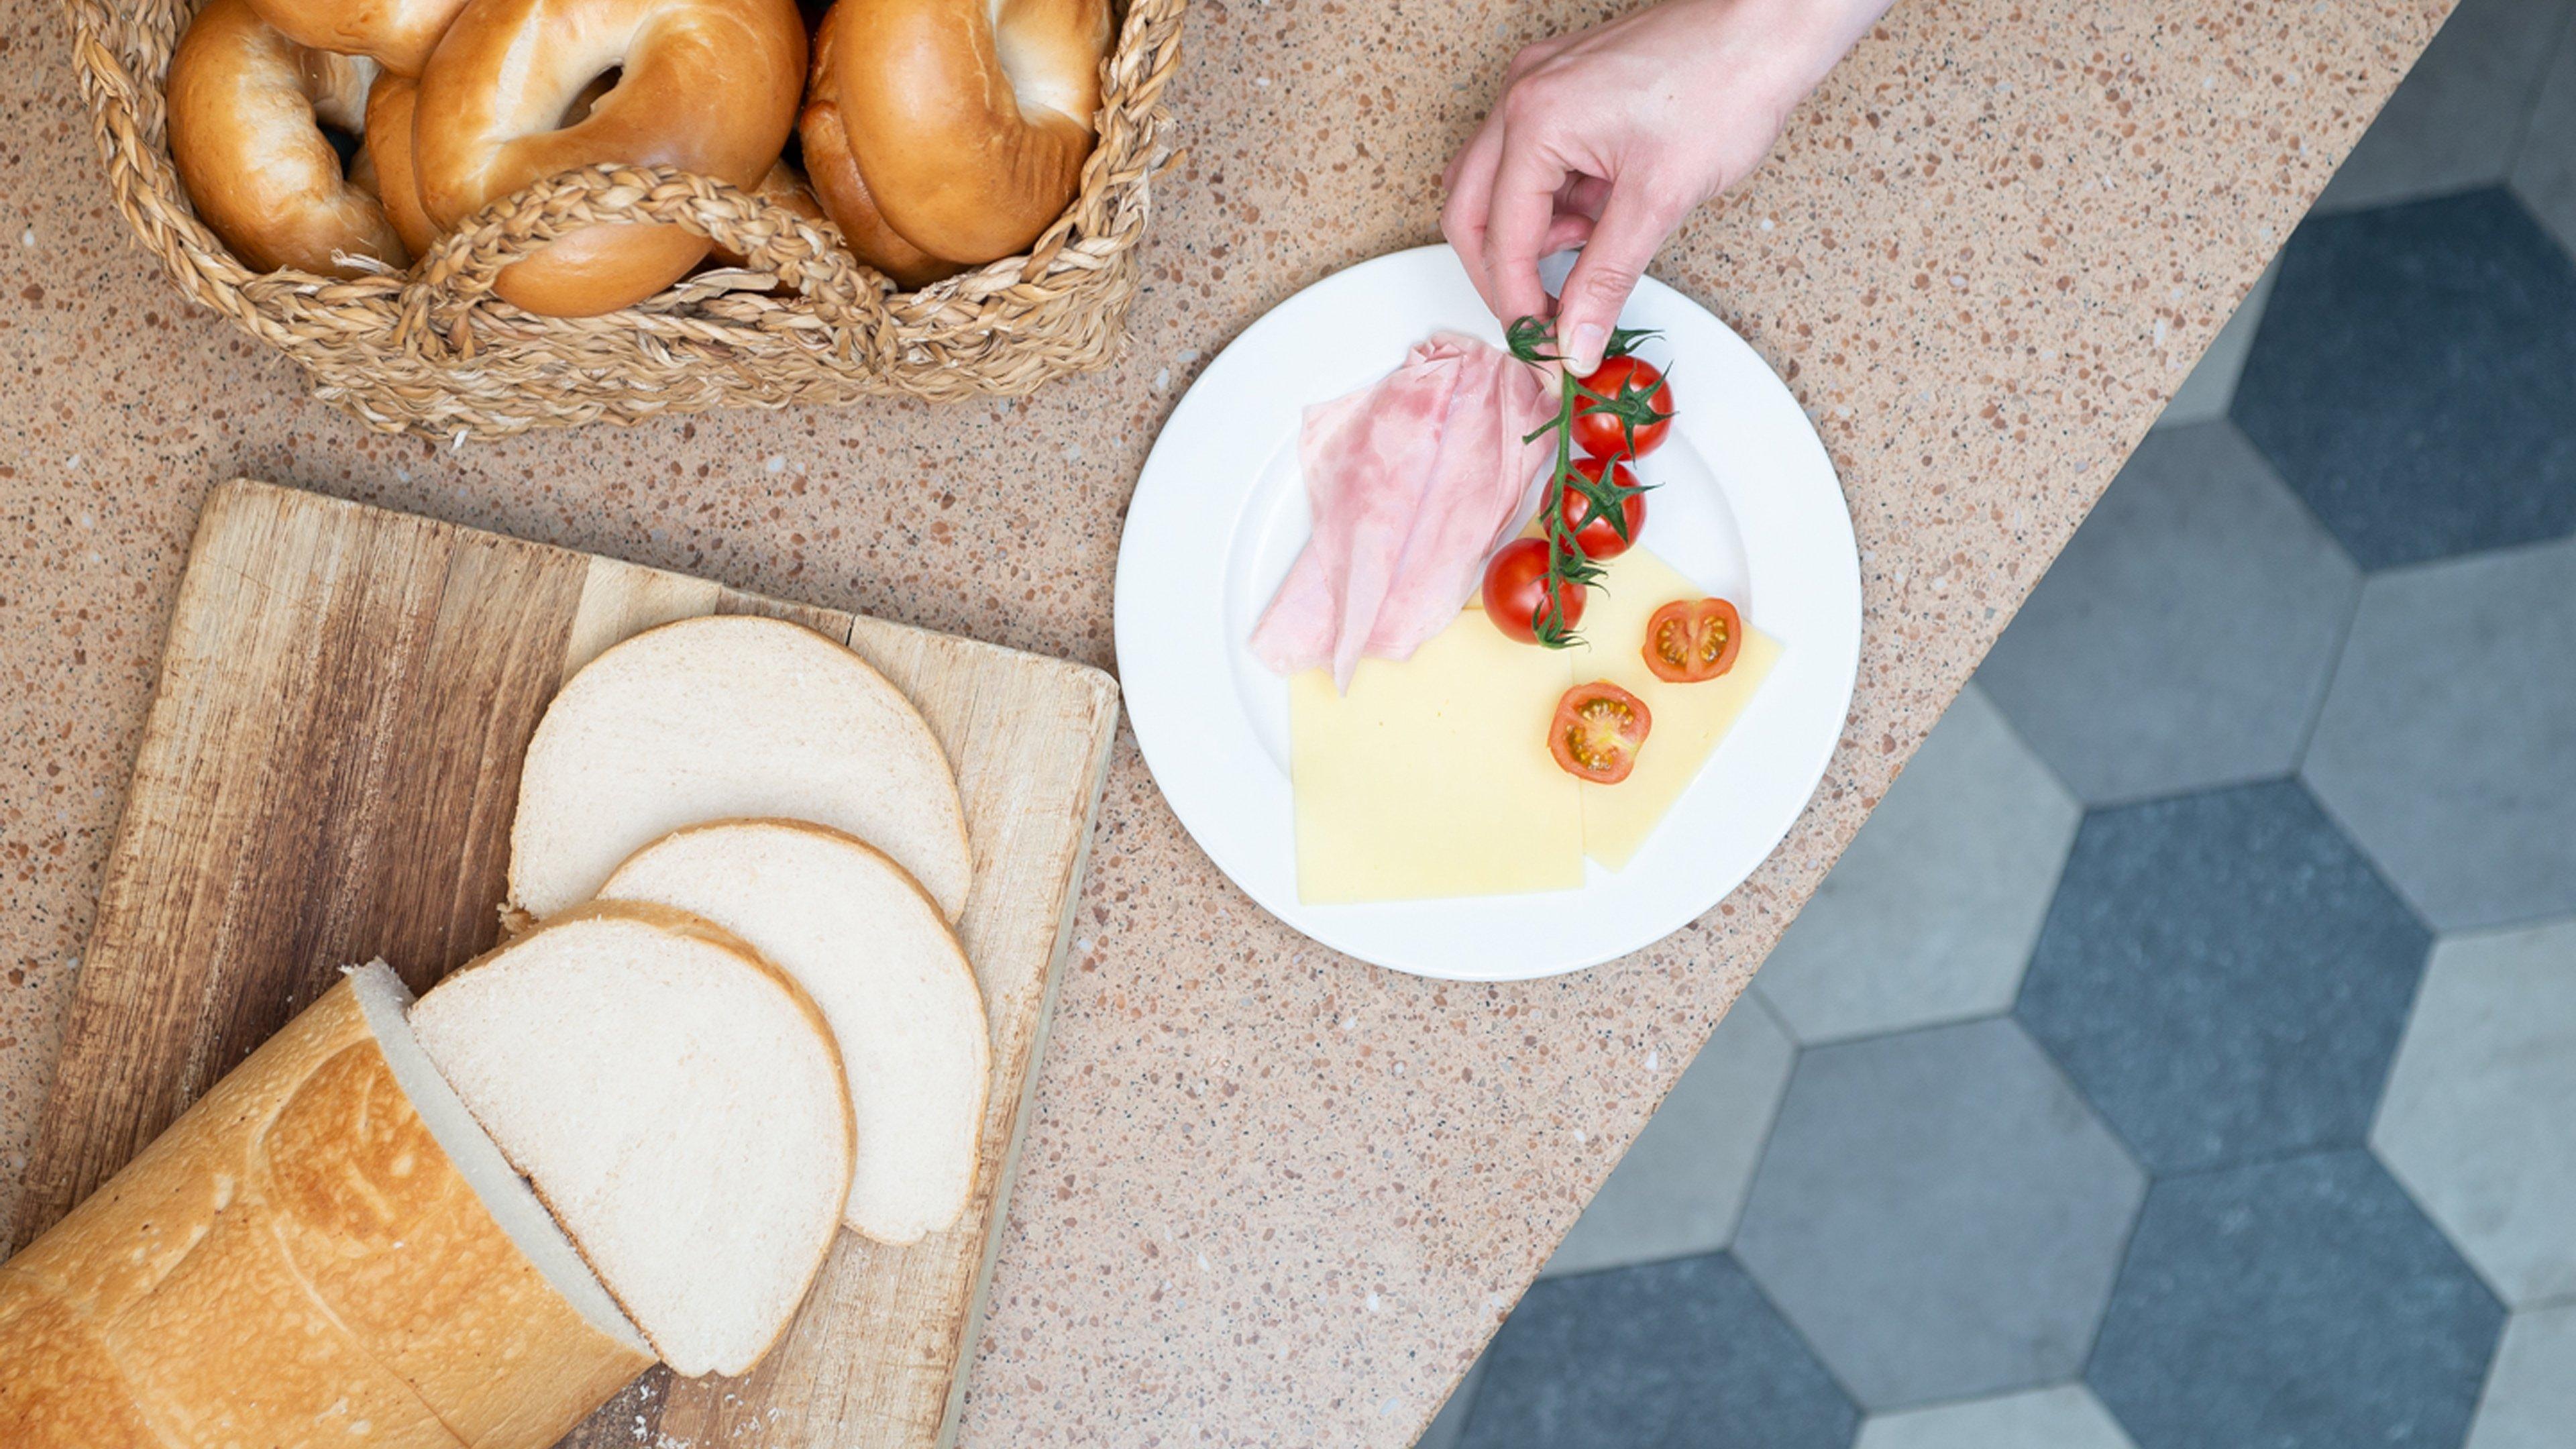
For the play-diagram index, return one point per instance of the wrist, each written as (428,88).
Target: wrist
(1778,49)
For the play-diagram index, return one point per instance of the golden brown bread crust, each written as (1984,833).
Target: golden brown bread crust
(58,1387)
(838,185)
(389,111)
(709,86)
(246,106)
(969,126)
(295,1251)
(399,34)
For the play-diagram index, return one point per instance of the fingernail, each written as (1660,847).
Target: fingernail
(1589,339)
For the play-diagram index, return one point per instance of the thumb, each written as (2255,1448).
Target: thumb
(1605,272)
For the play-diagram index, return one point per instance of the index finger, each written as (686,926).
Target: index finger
(1516,230)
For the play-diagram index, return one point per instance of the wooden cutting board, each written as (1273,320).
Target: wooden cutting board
(327,775)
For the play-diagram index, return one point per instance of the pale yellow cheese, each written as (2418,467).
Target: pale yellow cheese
(1689,719)
(1432,776)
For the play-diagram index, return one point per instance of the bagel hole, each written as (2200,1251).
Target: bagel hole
(590,95)
(344,144)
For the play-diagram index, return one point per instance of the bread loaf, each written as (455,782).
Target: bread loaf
(322,1249)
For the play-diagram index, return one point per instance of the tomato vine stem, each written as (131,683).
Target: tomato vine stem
(1533,340)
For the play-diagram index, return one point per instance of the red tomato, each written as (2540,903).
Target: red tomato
(1597,731)
(1690,640)
(1516,590)
(1599,538)
(1638,414)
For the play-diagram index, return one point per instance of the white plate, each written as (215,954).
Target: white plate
(1746,504)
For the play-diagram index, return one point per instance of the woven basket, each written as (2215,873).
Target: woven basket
(435,352)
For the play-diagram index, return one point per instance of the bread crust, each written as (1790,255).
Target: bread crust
(399,34)
(970,121)
(295,1251)
(390,103)
(710,86)
(246,107)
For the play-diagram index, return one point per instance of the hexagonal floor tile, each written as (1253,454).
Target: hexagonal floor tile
(2544,175)
(2480,1117)
(2224,976)
(1667,1353)
(1930,915)
(2531,1392)
(2448,745)
(2454,121)
(2065,1417)
(1678,1190)
(2299,1304)
(2184,637)
(2410,378)
(1939,1214)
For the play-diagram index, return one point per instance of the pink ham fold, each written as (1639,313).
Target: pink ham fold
(1412,482)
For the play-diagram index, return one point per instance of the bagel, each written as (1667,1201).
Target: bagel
(398,34)
(389,110)
(247,106)
(844,193)
(966,122)
(709,86)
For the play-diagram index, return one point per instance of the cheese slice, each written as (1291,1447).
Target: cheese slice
(1689,719)
(1431,777)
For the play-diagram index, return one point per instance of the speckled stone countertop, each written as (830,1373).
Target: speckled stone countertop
(1270,1195)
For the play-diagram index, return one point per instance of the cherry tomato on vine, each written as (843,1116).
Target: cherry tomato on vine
(1597,731)
(1600,538)
(1690,640)
(1516,590)
(1636,417)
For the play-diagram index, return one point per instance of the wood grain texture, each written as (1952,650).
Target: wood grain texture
(327,774)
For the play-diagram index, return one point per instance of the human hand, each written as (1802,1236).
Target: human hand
(1607,138)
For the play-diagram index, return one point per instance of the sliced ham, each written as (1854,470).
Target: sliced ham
(1412,482)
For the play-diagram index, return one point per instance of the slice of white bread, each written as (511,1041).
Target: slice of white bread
(676,1101)
(727,717)
(863,939)
(323,1248)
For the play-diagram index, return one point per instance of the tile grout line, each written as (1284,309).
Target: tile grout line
(2531,104)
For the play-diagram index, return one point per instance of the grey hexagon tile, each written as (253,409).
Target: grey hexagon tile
(1680,1187)
(1681,1352)
(2296,1304)
(2544,174)
(2065,1417)
(2211,383)
(2448,745)
(2479,1120)
(2530,1400)
(2455,120)
(1939,1214)
(2410,380)
(2224,976)
(1930,914)
(2184,637)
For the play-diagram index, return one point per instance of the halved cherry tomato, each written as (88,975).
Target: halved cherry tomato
(1597,731)
(1689,640)
(1516,590)
(1600,538)
(1634,421)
